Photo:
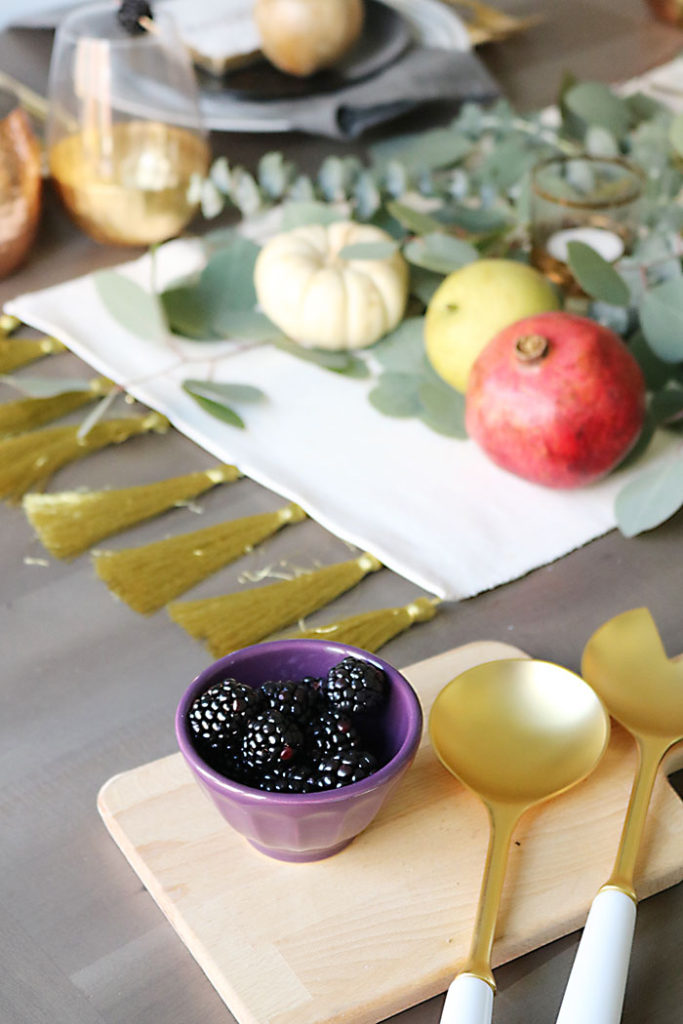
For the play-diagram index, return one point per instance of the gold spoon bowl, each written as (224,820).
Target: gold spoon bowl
(625,662)
(516,732)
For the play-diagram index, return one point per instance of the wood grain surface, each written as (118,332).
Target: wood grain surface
(384,924)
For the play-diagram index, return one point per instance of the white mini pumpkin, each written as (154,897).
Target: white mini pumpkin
(322,300)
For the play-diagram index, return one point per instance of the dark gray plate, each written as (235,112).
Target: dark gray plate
(386,35)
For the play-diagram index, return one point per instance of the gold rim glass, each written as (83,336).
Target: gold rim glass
(594,200)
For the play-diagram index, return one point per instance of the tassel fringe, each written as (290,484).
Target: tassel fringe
(28,461)
(150,576)
(30,413)
(70,522)
(8,324)
(17,352)
(371,630)
(236,620)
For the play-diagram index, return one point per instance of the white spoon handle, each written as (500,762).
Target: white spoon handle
(469,1000)
(595,991)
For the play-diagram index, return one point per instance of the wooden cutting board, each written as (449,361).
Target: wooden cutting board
(384,924)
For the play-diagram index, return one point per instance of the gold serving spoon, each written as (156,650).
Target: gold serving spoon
(625,662)
(515,732)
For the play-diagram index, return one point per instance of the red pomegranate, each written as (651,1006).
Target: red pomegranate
(557,399)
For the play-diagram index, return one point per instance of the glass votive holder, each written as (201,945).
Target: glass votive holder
(587,199)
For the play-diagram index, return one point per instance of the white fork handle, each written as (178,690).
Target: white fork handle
(469,1000)
(595,991)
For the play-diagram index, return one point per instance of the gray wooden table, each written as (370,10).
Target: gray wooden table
(89,688)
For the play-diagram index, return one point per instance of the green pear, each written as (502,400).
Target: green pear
(473,304)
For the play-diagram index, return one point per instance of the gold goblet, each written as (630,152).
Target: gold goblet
(20,183)
(124,133)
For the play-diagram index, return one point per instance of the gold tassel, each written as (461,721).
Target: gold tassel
(30,413)
(371,630)
(150,576)
(236,620)
(8,324)
(30,460)
(16,352)
(70,522)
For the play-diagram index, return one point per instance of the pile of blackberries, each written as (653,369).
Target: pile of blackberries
(291,736)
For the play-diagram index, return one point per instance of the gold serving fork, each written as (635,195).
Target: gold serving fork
(487,24)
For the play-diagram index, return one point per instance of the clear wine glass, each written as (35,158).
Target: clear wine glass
(124,133)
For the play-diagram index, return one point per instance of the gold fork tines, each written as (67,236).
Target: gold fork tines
(488,24)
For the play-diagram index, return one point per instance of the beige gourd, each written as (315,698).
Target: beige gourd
(302,36)
(324,300)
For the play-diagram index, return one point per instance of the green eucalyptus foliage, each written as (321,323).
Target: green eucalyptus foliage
(446,197)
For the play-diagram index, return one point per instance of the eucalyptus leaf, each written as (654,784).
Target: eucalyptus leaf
(297,214)
(302,189)
(423,283)
(473,219)
(332,178)
(443,406)
(652,497)
(596,104)
(508,162)
(339,362)
(219,411)
(396,394)
(137,310)
(246,323)
(676,133)
(402,350)
(221,392)
(45,387)
(667,405)
(439,147)
(274,174)
(601,142)
(647,432)
(212,201)
(367,196)
(643,107)
(655,370)
(186,313)
(661,319)
(245,193)
(221,175)
(368,251)
(596,276)
(227,281)
(439,252)
(395,178)
(414,220)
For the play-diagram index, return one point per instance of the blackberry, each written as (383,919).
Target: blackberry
(129,14)
(354,686)
(345,768)
(290,778)
(295,700)
(217,716)
(270,738)
(330,732)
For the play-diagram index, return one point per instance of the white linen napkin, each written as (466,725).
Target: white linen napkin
(433,509)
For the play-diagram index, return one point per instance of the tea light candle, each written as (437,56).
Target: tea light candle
(607,243)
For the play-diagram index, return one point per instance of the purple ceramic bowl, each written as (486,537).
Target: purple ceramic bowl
(307,826)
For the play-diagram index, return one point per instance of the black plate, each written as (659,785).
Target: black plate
(385,36)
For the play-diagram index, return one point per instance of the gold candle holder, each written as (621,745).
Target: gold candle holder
(20,183)
(587,199)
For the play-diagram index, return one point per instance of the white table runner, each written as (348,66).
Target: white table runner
(433,509)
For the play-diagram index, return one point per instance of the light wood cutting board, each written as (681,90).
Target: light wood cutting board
(384,924)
